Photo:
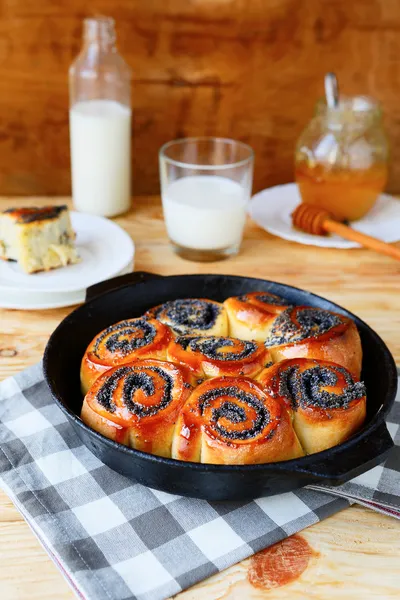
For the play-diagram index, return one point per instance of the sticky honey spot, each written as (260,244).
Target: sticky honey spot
(280,564)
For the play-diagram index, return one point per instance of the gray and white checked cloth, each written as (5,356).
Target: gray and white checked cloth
(117,540)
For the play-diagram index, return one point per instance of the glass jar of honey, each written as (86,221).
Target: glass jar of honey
(341,160)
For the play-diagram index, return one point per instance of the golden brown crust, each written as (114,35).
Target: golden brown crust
(192,316)
(326,402)
(113,431)
(137,404)
(121,343)
(33,214)
(216,356)
(251,315)
(231,420)
(308,332)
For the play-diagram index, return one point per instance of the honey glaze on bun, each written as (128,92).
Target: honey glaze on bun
(121,343)
(309,388)
(326,402)
(250,315)
(262,300)
(231,420)
(303,322)
(309,332)
(137,404)
(197,316)
(284,383)
(214,356)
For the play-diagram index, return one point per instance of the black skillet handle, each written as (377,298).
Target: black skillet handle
(117,282)
(351,462)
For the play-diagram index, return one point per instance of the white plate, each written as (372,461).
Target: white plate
(105,249)
(271,209)
(33,300)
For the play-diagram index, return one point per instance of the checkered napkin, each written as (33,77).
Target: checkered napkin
(117,540)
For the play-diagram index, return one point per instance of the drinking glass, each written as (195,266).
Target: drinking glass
(205,187)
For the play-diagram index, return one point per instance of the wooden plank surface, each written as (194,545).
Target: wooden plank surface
(354,554)
(245,69)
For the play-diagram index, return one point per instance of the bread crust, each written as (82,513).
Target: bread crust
(231,420)
(192,316)
(216,356)
(138,404)
(251,315)
(326,402)
(340,343)
(122,343)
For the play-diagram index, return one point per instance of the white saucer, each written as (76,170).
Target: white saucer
(105,250)
(32,300)
(271,209)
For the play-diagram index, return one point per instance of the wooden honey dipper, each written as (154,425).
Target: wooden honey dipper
(317,221)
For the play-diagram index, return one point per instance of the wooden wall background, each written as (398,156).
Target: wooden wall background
(248,69)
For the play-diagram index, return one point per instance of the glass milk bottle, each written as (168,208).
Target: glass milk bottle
(100,123)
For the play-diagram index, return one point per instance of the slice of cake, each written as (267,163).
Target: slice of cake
(40,239)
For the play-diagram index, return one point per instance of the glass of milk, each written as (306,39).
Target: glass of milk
(205,186)
(100,123)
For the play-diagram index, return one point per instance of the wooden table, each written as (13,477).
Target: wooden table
(356,553)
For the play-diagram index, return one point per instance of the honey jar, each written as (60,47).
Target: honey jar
(341,161)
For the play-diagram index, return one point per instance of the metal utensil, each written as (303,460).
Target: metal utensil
(331,90)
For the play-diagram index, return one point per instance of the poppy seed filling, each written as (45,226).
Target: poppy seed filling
(303,389)
(141,333)
(136,378)
(188,314)
(235,413)
(210,347)
(311,323)
(266,298)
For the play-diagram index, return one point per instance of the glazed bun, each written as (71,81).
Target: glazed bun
(121,343)
(253,380)
(215,356)
(327,403)
(138,404)
(194,316)
(251,315)
(231,420)
(308,332)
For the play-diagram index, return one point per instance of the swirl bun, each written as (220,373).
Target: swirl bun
(121,343)
(326,401)
(137,404)
(250,315)
(195,316)
(231,420)
(214,356)
(308,332)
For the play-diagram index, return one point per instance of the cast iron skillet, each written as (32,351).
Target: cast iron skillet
(130,296)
